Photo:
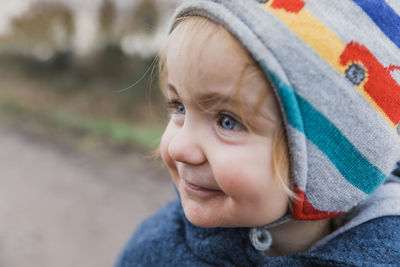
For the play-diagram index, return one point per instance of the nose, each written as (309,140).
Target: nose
(186,146)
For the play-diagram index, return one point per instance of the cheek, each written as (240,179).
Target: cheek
(164,144)
(257,196)
(247,173)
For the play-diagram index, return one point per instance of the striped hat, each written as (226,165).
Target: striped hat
(335,69)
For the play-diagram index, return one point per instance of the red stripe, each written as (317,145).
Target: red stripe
(381,86)
(302,209)
(293,6)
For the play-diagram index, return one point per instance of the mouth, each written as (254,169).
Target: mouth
(199,191)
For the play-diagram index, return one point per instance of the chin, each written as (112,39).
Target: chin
(201,219)
(200,222)
(197,216)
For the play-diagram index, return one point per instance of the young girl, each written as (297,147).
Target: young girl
(284,127)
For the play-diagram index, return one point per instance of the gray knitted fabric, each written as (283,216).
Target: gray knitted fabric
(334,69)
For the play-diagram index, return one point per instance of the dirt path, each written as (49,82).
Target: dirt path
(60,207)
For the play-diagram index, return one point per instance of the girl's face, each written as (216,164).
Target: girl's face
(221,168)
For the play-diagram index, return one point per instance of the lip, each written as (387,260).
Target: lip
(199,191)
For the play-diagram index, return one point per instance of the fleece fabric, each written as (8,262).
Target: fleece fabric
(362,239)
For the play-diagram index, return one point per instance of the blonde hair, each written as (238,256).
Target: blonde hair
(280,155)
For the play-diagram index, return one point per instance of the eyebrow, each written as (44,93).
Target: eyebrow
(207,100)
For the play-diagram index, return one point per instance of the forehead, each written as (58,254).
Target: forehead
(205,59)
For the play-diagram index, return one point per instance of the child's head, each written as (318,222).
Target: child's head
(224,142)
(248,80)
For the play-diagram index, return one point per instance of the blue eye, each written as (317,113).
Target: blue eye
(180,109)
(176,107)
(229,123)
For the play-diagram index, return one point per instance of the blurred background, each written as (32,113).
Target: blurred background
(80,115)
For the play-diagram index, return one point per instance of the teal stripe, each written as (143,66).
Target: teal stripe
(289,101)
(353,165)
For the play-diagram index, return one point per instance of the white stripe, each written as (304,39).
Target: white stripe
(298,150)
(394,4)
(396,75)
(326,188)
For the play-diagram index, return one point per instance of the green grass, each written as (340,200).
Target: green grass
(118,132)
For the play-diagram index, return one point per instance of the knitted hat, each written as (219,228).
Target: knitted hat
(335,69)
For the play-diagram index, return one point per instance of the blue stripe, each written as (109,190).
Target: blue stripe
(300,114)
(384,17)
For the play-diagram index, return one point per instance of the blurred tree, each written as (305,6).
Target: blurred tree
(107,17)
(45,28)
(143,18)
(97,81)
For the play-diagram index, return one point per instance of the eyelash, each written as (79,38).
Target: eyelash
(174,106)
